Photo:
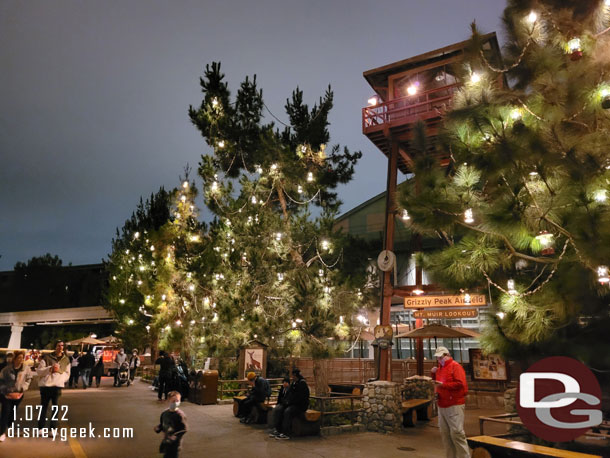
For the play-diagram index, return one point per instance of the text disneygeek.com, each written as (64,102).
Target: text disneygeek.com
(64,433)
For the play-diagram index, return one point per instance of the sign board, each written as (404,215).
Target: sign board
(487,367)
(422,302)
(455,313)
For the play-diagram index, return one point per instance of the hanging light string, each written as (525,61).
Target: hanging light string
(301,202)
(328,266)
(355,341)
(539,287)
(506,69)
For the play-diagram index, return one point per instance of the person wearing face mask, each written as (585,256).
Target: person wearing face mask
(14,381)
(134,363)
(173,425)
(119,359)
(451,389)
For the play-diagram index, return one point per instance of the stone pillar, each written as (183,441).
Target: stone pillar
(15,341)
(381,407)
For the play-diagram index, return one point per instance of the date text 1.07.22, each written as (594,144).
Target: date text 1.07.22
(58,413)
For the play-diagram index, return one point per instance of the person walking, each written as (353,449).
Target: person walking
(451,388)
(119,359)
(85,364)
(297,403)
(98,371)
(173,425)
(73,380)
(134,363)
(167,365)
(53,373)
(14,381)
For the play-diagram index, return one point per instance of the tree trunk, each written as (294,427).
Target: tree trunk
(320,372)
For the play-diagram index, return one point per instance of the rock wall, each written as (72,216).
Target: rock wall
(381,403)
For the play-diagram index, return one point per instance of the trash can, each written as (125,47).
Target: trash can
(205,387)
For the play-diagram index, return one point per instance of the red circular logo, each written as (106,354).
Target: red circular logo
(558,399)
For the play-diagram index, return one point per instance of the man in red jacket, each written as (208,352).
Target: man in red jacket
(451,388)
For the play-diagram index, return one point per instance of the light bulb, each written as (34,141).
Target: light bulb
(418,291)
(152,248)
(194,238)
(600,195)
(122,301)
(475,78)
(215,186)
(511,286)
(130,321)
(163,296)
(309,177)
(500,315)
(274,167)
(253,200)
(147,328)
(280,276)
(185,184)
(532,17)
(602,275)
(278,236)
(294,324)
(221,144)
(136,235)
(412,90)
(178,323)
(192,288)
(259,169)
(373,101)
(574,45)
(341,319)
(325,244)
(515,114)
(468,218)
(183,198)
(320,272)
(466,298)
(142,268)
(192,322)
(300,189)
(214,102)
(405,215)
(545,238)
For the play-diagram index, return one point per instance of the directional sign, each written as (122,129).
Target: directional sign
(422,302)
(455,313)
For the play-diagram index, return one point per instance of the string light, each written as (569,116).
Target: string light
(214,102)
(259,169)
(475,78)
(194,238)
(309,177)
(221,144)
(147,328)
(192,288)
(253,200)
(178,323)
(574,45)
(466,298)
(405,215)
(192,322)
(163,297)
(545,238)
(500,315)
(215,186)
(183,198)
(412,90)
(511,287)
(602,275)
(280,276)
(122,301)
(325,244)
(136,235)
(515,114)
(532,17)
(278,236)
(185,185)
(372,101)
(273,167)
(418,291)
(320,272)
(300,189)
(130,321)
(152,248)
(600,195)
(468,218)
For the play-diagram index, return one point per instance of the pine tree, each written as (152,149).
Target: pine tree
(522,208)
(154,270)
(281,273)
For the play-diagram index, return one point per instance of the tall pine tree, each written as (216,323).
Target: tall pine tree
(523,208)
(282,273)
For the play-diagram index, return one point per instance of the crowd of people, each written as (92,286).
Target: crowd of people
(292,401)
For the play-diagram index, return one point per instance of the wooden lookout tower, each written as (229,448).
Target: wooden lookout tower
(419,88)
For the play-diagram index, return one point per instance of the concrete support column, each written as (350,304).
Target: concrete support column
(15,340)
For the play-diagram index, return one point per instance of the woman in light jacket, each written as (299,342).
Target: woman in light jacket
(15,379)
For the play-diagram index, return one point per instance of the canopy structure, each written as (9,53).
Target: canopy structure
(86,341)
(110,340)
(444,332)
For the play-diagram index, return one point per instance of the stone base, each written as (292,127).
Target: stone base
(381,407)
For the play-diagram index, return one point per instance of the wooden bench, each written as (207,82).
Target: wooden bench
(416,409)
(354,389)
(259,412)
(497,447)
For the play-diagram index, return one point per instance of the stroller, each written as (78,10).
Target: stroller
(123,374)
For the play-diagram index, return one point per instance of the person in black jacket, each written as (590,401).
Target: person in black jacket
(85,364)
(278,410)
(165,373)
(256,395)
(173,425)
(98,371)
(297,403)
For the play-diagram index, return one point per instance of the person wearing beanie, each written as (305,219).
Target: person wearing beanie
(451,388)
(256,395)
(297,403)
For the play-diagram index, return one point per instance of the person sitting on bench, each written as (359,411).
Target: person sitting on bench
(297,403)
(278,411)
(256,395)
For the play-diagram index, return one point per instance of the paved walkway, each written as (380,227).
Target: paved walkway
(213,432)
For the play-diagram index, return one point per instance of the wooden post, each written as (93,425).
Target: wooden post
(385,354)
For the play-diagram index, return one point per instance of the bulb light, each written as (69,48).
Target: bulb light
(468,218)
(532,17)
(372,101)
(602,275)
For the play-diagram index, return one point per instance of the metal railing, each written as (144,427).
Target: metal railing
(324,402)
(242,387)
(407,108)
